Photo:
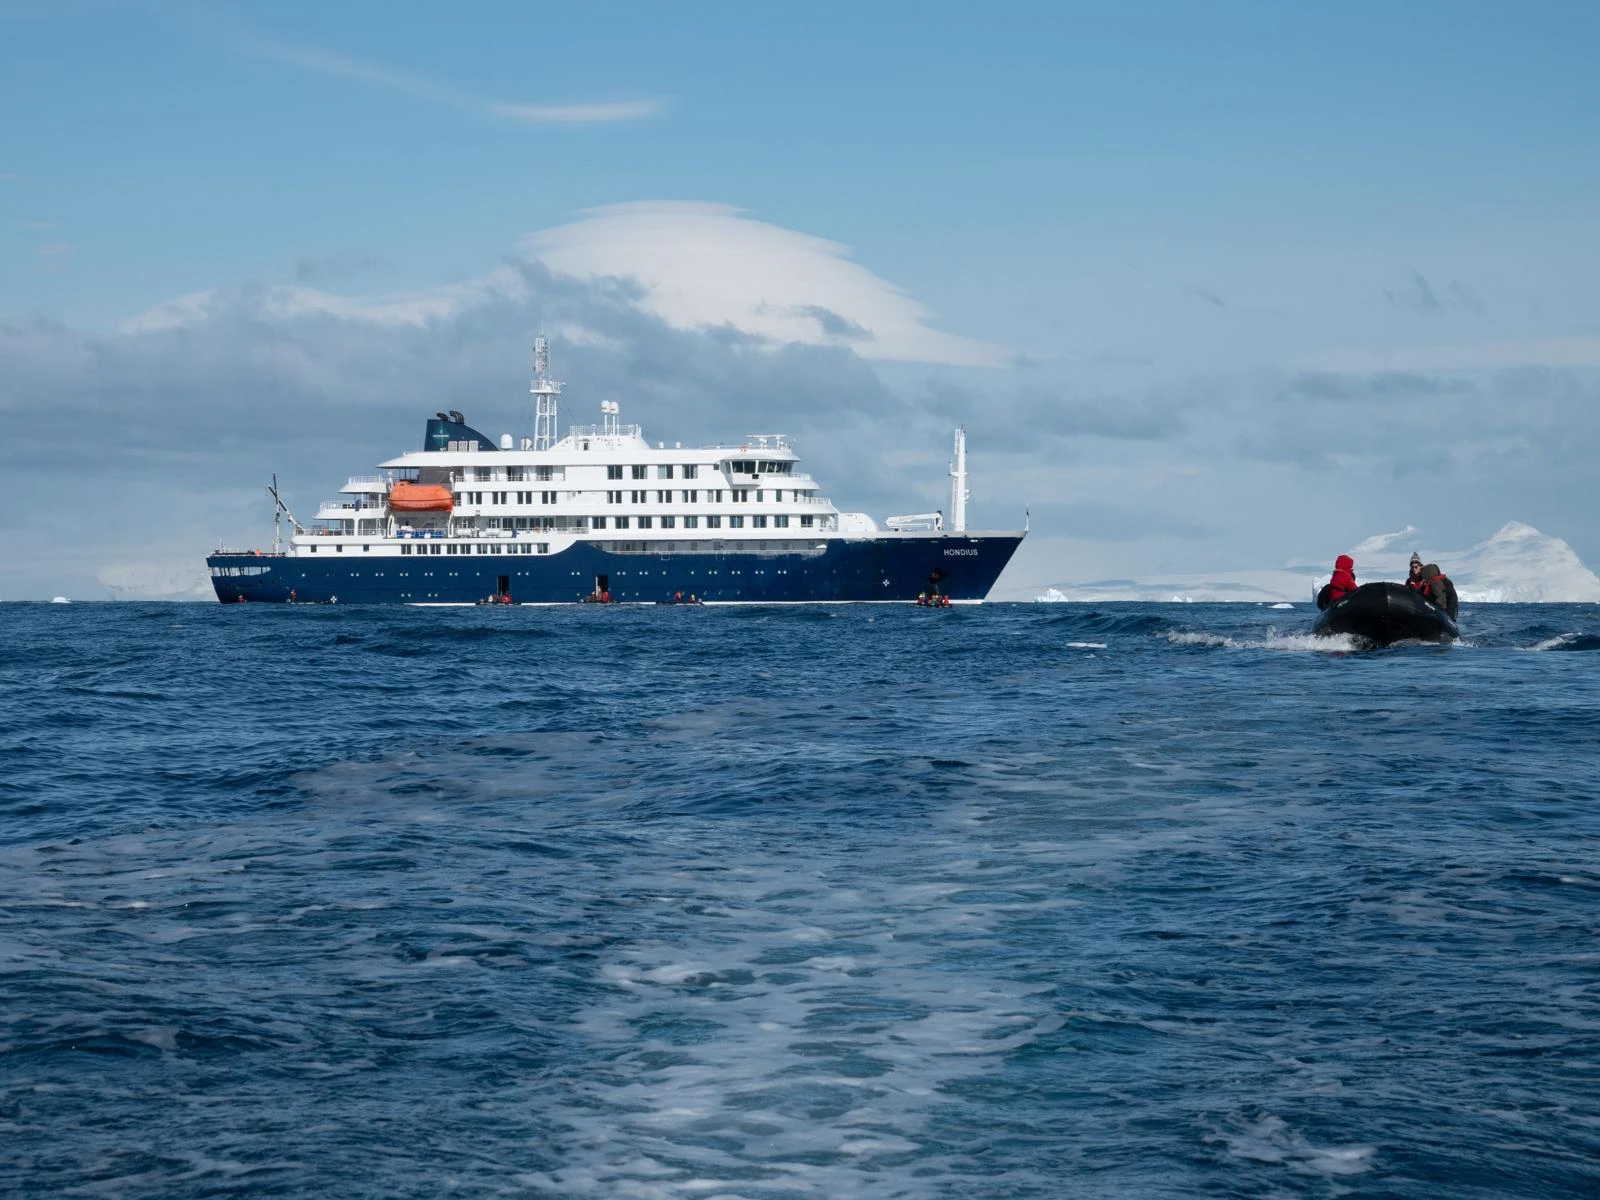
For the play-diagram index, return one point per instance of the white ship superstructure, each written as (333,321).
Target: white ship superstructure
(603,483)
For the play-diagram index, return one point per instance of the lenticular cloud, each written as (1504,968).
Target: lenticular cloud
(708,265)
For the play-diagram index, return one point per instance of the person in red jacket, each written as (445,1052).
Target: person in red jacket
(1342,583)
(1415,580)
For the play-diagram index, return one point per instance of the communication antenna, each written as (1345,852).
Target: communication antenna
(280,510)
(958,483)
(545,390)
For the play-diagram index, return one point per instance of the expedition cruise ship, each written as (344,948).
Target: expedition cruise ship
(601,514)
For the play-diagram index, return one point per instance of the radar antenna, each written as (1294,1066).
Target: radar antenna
(545,390)
(280,510)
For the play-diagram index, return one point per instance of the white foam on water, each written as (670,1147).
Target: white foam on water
(1270,1140)
(807,1036)
(1555,643)
(1086,645)
(1338,643)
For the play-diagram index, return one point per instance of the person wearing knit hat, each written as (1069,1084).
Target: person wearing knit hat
(1414,579)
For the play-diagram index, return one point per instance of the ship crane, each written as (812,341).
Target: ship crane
(280,510)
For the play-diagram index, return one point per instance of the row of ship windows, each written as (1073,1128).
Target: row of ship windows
(771,548)
(780,521)
(666,521)
(482,548)
(463,548)
(633,471)
(636,496)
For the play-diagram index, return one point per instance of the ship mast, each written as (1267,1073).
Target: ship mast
(545,390)
(958,483)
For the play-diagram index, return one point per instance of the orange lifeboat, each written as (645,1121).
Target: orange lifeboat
(419,497)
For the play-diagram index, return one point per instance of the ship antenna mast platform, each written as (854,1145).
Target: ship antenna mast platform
(545,392)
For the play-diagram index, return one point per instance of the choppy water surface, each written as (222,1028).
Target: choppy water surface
(1026,901)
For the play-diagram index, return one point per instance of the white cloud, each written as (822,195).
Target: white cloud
(708,265)
(698,265)
(339,66)
(578,114)
(282,301)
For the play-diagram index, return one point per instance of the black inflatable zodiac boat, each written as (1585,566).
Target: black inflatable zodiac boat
(1385,613)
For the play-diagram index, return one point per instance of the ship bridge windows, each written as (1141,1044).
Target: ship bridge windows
(664,471)
(614,471)
(691,471)
(640,471)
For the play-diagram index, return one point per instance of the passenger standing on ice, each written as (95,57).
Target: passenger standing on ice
(1439,589)
(1342,583)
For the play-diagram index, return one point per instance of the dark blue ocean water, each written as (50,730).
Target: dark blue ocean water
(1020,901)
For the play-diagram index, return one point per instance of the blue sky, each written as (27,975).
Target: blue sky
(1183,207)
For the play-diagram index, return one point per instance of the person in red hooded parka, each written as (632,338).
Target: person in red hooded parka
(1342,583)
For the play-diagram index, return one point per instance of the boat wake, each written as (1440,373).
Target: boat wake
(1568,641)
(1270,640)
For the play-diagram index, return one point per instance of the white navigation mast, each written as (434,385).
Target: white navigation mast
(545,390)
(958,483)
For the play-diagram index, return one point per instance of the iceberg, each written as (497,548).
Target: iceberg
(1517,565)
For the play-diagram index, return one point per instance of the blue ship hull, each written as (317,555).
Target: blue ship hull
(876,569)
